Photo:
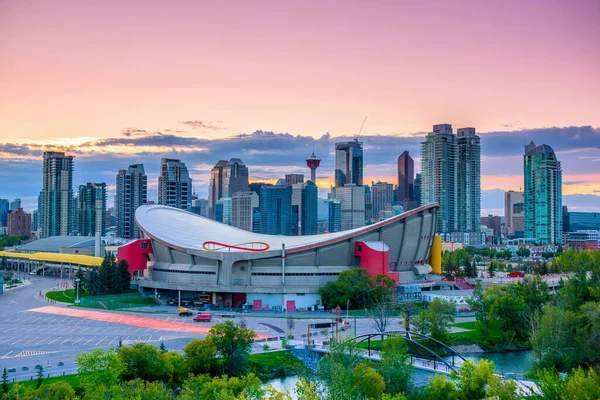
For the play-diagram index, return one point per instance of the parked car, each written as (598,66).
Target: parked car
(172,302)
(186,302)
(204,317)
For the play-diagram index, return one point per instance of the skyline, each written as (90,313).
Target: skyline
(103,79)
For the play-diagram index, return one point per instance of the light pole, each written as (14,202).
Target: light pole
(77,280)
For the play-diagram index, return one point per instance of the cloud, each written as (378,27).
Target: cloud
(204,125)
(134,132)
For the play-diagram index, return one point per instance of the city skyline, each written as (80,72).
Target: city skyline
(309,72)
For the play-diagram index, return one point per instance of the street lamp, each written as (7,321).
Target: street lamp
(77,290)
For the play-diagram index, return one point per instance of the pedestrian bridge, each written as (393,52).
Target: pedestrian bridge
(419,347)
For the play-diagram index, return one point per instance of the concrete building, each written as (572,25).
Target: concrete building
(352,200)
(348,163)
(543,194)
(382,194)
(174,184)
(191,255)
(132,192)
(19,223)
(91,206)
(243,205)
(292,179)
(469,180)
(513,213)
(492,222)
(57,195)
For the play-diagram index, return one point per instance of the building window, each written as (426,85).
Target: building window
(144,245)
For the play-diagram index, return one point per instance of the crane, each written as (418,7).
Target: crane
(361,128)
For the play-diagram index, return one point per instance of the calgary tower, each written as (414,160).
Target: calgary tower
(313,163)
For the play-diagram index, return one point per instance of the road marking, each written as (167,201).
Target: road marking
(92,338)
(101,340)
(32,340)
(55,340)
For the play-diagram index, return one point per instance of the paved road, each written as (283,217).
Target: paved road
(29,338)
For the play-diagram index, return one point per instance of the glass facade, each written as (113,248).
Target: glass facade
(349,163)
(276,210)
(543,220)
(579,221)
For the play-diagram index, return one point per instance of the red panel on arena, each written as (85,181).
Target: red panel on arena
(136,254)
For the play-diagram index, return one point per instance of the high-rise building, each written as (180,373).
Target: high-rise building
(352,199)
(4,209)
(15,204)
(579,221)
(276,210)
(382,194)
(243,205)
(418,190)
(335,216)
(542,195)
(57,194)
(469,180)
(439,176)
(200,207)
(406,178)
(132,192)
(513,213)
(313,163)
(226,179)
(174,184)
(292,179)
(368,205)
(19,223)
(215,188)
(348,163)
(35,221)
(492,222)
(223,210)
(305,197)
(91,206)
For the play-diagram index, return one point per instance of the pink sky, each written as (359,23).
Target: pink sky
(83,68)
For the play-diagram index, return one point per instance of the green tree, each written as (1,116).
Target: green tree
(523,252)
(80,275)
(493,267)
(99,370)
(3,264)
(352,287)
(435,319)
(139,389)
(57,391)
(116,282)
(395,366)
(440,388)
(40,375)
(472,379)
(145,362)
(4,381)
(107,269)
(369,383)
(554,339)
(471,270)
(336,370)
(247,387)
(233,346)
(535,294)
(478,303)
(201,356)
(509,310)
(93,283)
(123,272)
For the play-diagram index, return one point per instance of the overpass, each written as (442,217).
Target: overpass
(34,263)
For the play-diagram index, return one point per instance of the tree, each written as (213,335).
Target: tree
(471,270)
(116,282)
(201,355)
(406,311)
(435,320)
(107,269)
(440,388)
(123,272)
(247,387)
(554,339)
(352,287)
(395,366)
(3,264)
(336,369)
(40,375)
(233,345)
(369,383)
(93,282)
(143,361)
(291,324)
(4,381)
(141,390)
(523,252)
(80,275)
(535,294)
(472,379)
(99,370)
(478,304)
(57,391)
(508,308)
(380,312)
(492,269)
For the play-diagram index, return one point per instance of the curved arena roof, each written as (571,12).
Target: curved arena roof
(187,231)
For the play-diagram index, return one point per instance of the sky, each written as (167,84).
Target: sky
(121,82)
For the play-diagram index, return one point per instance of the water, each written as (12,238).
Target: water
(517,362)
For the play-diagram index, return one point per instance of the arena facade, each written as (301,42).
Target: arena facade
(192,256)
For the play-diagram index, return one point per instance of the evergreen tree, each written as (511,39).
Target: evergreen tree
(107,269)
(93,283)
(123,272)
(40,376)
(3,264)
(80,275)
(4,381)
(116,284)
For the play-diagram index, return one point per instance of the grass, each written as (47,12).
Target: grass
(62,296)
(275,364)
(131,298)
(71,379)
(474,335)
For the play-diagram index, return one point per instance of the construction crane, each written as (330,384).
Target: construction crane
(361,128)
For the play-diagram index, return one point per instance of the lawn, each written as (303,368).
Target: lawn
(475,336)
(62,296)
(127,299)
(71,379)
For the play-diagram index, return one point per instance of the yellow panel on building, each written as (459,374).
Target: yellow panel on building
(435,258)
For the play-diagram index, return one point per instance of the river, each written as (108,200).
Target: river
(517,362)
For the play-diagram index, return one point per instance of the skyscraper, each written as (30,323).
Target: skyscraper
(91,206)
(406,177)
(382,194)
(305,197)
(132,192)
(348,163)
(174,184)
(292,179)
(200,207)
(242,210)
(469,180)
(418,190)
(513,213)
(57,194)
(15,204)
(4,208)
(352,199)
(543,194)
(223,212)
(276,210)
(226,178)
(313,163)
(439,175)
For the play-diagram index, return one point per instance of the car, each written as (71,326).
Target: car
(186,302)
(203,317)
(25,369)
(61,364)
(172,302)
